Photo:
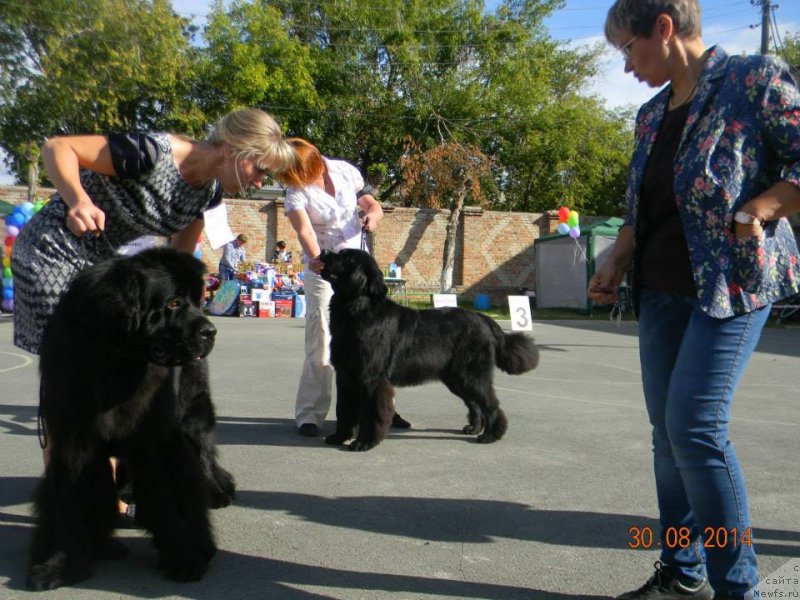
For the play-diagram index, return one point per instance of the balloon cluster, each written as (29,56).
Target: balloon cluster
(568,223)
(14,222)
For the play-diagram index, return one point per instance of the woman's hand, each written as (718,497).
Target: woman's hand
(604,284)
(743,231)
(316,264)
(84,217)
(373,213)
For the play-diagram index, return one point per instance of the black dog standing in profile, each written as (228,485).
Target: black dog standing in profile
(123,373)
(377,344)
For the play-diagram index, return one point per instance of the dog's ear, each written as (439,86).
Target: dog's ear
(376,288)
(115,299)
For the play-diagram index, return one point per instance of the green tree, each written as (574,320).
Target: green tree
(90,66)
(251,60)
(445,176)
(791,51)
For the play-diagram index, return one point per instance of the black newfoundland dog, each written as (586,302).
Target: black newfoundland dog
(377,344)
(123,374)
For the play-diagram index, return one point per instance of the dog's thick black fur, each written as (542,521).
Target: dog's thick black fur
(377,344)
(123,373)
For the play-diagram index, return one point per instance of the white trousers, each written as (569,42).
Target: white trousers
(314,391)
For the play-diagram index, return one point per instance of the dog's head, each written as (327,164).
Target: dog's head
(146,307)
(353,274)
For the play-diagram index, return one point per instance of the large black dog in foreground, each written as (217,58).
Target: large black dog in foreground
(123,373)
(377,344)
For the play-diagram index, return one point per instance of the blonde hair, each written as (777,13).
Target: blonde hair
(307,165)
(639,17)
(252,133)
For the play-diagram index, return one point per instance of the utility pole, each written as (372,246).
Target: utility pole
(765,9)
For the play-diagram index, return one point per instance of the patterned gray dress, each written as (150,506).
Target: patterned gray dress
(148,196)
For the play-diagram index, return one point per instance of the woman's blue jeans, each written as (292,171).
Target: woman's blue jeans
(691,365)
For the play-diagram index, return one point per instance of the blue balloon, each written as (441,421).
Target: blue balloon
(562,228)
(8,283)
(27,208)
(8,294)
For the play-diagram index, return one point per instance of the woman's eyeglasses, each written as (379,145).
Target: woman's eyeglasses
(626,48)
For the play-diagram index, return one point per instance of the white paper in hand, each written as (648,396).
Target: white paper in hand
(218,232)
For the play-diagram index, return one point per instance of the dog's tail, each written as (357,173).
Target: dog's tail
(515,353)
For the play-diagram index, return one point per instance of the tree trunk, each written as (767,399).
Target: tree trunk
(446,282)
(33,181)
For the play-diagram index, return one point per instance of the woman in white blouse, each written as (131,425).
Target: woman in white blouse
(322,201)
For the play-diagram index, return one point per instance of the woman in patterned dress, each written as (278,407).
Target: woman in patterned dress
(113,189)
(715,171)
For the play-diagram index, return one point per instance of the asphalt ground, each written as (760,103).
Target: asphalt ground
(545,513)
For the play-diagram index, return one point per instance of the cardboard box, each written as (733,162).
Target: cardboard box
(266,309)
(260,294)
(283,308)
(248,309)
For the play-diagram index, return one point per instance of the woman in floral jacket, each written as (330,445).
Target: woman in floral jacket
(715,171)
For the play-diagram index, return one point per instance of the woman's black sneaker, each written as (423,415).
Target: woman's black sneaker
(308,430)
(663,585)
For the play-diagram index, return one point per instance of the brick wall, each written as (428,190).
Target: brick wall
(494,250)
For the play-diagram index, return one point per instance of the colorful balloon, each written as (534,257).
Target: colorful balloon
(572,219)
(563,228)
(575,233)
(563,214)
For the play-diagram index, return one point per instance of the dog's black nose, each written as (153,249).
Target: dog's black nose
(208,331)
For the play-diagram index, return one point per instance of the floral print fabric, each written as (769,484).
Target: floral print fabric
(741,137)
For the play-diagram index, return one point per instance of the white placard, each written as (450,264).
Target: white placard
(217,229)
(442,300)
(520,309)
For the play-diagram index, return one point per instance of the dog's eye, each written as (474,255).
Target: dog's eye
(174,304)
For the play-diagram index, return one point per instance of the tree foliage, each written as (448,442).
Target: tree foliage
(90,66)
(446,176)
(359,79)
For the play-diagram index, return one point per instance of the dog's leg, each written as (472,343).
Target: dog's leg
(485,416)
(198,422)
(75,516)
(172,501)
(375,416)
(347,406)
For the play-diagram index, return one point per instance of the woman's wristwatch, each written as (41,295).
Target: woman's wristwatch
(747,219)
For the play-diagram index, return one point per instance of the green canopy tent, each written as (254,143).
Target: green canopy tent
(6,208)
(564,265)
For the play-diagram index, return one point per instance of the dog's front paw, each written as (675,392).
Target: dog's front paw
(336,439)
(183,566)
(361,445)
(470,430)
(486,438)
(53,573)
(223,489)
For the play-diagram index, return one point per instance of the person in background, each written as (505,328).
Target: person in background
(281,254)
(113,189)
(232,256)
(715,171)
(322,201)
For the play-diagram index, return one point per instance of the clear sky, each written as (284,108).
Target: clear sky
(733,24)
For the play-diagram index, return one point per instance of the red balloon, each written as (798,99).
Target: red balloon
(563,214)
